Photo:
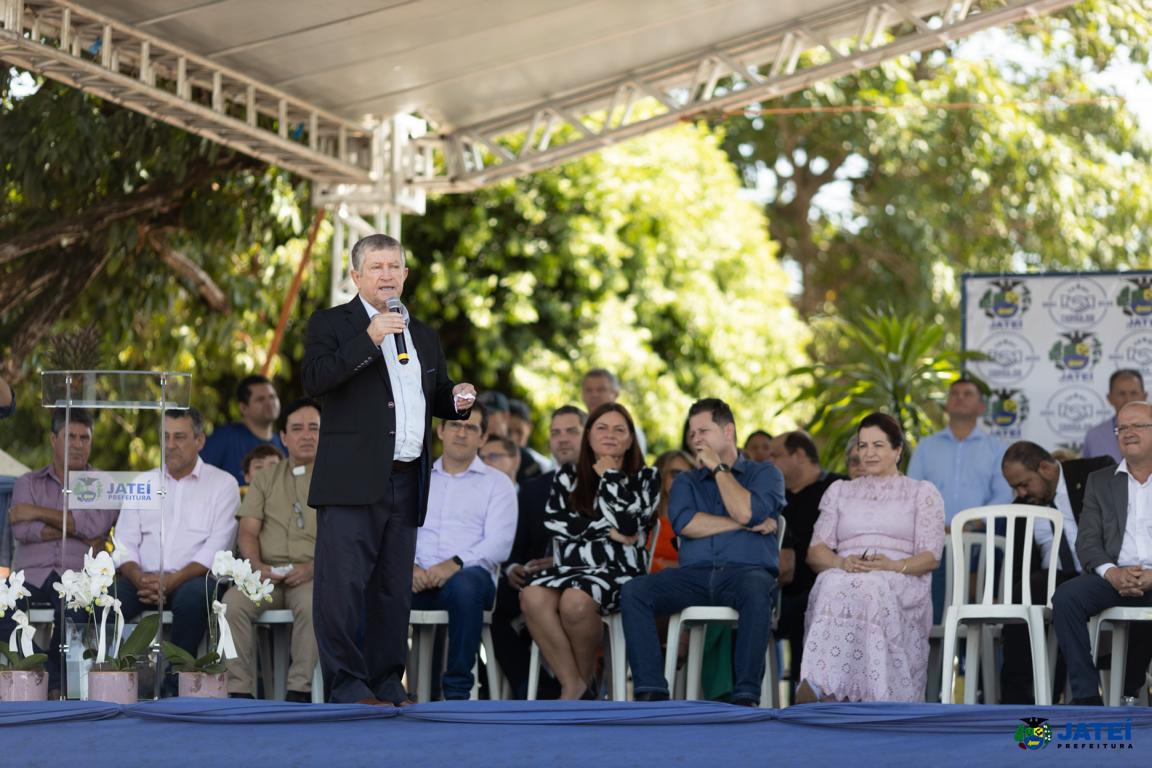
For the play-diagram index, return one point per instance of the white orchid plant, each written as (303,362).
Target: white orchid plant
(87,590)
(20,654)
(226,568)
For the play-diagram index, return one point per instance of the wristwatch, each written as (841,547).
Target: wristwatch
(456,559)
(720,468)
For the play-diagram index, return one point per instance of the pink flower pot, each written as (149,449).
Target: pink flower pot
(23,686)
(203,685)
(114,687)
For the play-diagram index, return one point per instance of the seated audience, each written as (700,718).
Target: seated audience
(199,520)
(277,535)
(874,547)
(467,534)
(531,553)
(7,399)
(1124,386)
(258,458)
(805,482)
(1037,478)
(228,444)
(757,446)
(852,460)
(501,454)
(599,513)
(520,430)
(670,465)
(600,387)
(725,513)
(1112,545)
(47,545)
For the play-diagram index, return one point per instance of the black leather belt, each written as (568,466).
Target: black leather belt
(400,467)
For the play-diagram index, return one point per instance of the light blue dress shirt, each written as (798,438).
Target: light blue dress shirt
(1101,441)
(966,472)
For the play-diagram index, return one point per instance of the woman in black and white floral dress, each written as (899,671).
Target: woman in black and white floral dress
(599,513)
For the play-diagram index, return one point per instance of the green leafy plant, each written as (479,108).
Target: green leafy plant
(881,361)
(132,649)
(182,661)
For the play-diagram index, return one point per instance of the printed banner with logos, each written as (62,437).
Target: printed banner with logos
(1053,340)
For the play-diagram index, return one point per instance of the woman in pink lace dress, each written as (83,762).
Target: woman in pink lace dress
(875,546)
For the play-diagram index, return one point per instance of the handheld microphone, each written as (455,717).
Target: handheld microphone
(394,305)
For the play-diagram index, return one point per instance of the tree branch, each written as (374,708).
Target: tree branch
(156,198)
(191,271)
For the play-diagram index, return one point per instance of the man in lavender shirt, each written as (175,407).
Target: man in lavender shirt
(47,543)
(467,534)
(199,520)
(1124,386)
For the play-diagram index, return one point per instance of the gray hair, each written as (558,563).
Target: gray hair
(373,243)
(188,413)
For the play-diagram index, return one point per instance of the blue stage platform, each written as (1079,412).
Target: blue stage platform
(206,733)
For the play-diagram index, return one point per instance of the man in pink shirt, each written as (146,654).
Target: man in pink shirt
(47,543)
(199,520)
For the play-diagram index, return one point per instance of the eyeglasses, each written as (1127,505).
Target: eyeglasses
(1130,427)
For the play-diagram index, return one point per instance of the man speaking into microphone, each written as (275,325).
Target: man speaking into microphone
(370,479)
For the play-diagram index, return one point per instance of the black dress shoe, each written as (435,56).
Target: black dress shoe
(299,697)
(746,702)
(651,696)
(240,696)
(1088,701)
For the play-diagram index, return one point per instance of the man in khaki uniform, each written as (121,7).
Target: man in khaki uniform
(278,530)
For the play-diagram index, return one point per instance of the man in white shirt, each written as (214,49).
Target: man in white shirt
(199,520)
(1114,545)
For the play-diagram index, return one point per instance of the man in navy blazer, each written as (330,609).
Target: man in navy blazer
(370,479)
(1115,549)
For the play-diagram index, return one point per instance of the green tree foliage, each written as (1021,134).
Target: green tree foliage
(178,251)
(1021,177)
(643,259)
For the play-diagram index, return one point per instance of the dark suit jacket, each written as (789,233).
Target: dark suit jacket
(532,538)
(1076,473)
(347,372)
(1103,519)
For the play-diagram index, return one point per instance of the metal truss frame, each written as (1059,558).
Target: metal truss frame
(766,65)
(69,43)
(382,170)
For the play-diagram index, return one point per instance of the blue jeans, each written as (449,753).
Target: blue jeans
(751,590)
(466,595)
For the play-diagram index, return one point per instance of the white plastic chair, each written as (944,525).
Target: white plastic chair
(695,619)
(424,624)
(973,541)
(986,609)
(1118,618)
(615,656)
(275,645)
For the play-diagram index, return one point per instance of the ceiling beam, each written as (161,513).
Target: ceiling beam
(66,42)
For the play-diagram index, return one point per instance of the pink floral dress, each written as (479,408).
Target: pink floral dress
(866,634)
